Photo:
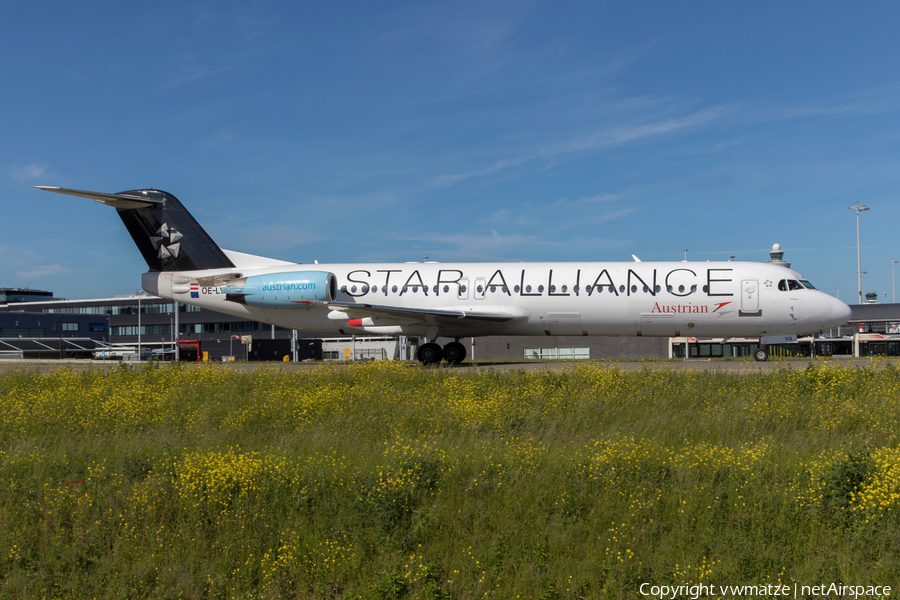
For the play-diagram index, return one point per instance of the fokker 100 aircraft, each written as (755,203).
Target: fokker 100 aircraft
(456,300)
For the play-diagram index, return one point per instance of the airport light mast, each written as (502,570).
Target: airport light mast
(893,288)
(139,294)
(858,208)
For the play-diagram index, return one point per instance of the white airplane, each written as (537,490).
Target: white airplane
(456,300)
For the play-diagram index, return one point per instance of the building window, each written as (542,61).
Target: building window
(70,326)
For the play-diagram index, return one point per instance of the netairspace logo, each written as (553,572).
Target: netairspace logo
(752,591)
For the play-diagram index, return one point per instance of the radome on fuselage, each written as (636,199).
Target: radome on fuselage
(698,299)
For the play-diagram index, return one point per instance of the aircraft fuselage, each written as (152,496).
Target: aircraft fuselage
(706,299)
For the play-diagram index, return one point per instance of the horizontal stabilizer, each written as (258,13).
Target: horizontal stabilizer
(114,200)
(166,234)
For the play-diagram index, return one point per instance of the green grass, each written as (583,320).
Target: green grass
(384,481)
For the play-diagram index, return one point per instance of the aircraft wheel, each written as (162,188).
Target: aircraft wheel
(429,354)
(761,355)
(454,353)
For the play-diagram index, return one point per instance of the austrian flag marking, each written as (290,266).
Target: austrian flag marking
(195,290)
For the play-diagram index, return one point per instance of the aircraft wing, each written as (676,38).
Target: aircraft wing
(430,316)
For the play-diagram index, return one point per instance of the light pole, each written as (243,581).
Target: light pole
(685,254)
(139,294)
(893,289)
(858,208)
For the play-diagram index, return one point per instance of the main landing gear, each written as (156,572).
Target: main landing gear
(430,353)
(761,355)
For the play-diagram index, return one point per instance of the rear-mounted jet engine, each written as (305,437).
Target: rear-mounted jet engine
(282,290)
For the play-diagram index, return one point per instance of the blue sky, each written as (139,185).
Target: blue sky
(358,131)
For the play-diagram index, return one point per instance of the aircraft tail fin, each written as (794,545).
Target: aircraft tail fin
(169,238)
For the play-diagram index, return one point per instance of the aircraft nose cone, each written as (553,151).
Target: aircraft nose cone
(840,312)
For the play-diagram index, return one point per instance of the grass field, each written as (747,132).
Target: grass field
(385,481)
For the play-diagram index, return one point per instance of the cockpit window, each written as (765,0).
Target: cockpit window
(789,285)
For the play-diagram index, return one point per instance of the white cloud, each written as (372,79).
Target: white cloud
(29,172)
(603,139)
(620,135)
(448,180)
(38,272)
(497,247)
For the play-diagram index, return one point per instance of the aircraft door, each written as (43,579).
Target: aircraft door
(795,309)
(749,296)
(463,289)
(480,286)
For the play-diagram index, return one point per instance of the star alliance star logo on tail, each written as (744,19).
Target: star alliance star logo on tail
(167,242)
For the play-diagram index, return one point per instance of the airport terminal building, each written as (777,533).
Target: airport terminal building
(219,335)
